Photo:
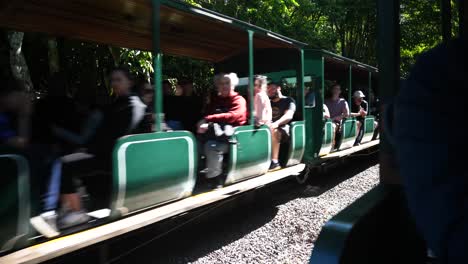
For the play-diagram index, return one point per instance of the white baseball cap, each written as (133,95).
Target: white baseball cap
(358,94)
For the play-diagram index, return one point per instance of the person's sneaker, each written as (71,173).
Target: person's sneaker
(205,171)
(72,218)
(274,166)
(46,224)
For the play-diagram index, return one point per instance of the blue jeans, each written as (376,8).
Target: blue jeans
(53,188)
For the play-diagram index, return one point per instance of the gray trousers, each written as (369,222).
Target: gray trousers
(214,152)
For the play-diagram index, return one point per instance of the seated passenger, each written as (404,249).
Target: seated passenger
(227,110)
(47,117)
(174,109)
(192,105)
(15,112)
(262,104)
(339,110)
(120,119)
(283,109)
(359,110)
(326,113)
(167,88)
(146,93)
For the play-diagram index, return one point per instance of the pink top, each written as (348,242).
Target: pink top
(262,109)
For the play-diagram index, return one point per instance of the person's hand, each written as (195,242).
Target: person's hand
(202,128)
(362,112)
(274,125)
(337,119)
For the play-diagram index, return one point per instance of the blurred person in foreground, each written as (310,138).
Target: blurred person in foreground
(427,138)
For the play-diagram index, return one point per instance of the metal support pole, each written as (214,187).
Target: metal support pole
(369,91)
(350,90)
(446,10)
(301,87)
(388,18)
(251,78)
(461,17)
(157,65)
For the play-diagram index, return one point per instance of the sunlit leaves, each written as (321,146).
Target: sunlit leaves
(140,62)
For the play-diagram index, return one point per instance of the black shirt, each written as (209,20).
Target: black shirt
(120,119)
(356,108)
(281,106)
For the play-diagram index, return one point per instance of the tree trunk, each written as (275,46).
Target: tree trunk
(54,58)
(19,67)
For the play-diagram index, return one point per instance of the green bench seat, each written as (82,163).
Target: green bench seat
(15,202)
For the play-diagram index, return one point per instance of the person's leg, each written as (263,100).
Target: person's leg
(275,144)
(73,164)
(338,136)
(360,132)
(376,130)
(214,151)
(53,187)
(333,135)
(275,149)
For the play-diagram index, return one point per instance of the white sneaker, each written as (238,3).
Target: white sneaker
(46,224)
(72,218)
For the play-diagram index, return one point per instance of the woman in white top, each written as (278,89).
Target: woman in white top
(262,103)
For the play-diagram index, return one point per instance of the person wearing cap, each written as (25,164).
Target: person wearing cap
(359,109)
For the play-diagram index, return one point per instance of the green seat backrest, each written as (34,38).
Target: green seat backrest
(376,228)
(328,135)
(368,129)
(297,144)
(151,169)
(250,156)
(349,133)
(14,200)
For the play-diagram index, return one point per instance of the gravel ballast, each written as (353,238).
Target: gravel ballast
(277,225)
(289,236)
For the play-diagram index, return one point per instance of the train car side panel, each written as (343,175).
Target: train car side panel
(250,152)
(150,169)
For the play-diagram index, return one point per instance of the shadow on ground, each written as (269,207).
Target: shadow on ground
(198,233)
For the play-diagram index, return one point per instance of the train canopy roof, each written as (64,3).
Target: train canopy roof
(185,30)
(339,60)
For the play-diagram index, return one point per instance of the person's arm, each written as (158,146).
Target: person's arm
(364,109)
(263,110)
(345,110)
(88,130)
(287,116)
(238,109)
(326,112)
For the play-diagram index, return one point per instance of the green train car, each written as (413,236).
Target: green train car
(154,175)
(383,226)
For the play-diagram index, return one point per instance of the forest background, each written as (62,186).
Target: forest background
(341,26)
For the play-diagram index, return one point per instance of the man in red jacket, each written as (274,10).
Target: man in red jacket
(227,110)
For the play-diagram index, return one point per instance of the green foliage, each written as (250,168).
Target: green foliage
(421,29)
(346,27)
(342,26)
(139,62)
